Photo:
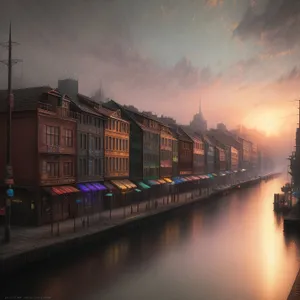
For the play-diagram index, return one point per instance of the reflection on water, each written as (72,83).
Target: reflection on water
(229,248)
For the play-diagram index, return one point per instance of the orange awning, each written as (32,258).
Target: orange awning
(60,190)
(168,180)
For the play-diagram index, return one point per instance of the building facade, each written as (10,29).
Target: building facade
(185,151)
(234,159)
(44,163)
(209,155)
(144,143)
(166,152)
(198,150)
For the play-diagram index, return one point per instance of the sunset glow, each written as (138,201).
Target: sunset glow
(269,122)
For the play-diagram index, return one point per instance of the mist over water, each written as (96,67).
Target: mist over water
(229,248)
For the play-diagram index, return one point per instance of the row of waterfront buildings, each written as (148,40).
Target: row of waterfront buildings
(68,149)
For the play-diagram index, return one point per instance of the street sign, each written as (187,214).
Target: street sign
(10,193)
(8,202)
(2,211)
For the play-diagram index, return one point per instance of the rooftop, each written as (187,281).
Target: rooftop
(27,98)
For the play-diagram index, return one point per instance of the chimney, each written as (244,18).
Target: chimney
(68,87)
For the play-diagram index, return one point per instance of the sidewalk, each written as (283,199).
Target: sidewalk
(24,239)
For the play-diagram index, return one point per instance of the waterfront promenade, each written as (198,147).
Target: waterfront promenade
(34,244)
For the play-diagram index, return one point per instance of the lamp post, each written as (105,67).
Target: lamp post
(9,171)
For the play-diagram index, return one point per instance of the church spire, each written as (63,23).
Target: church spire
(200,110)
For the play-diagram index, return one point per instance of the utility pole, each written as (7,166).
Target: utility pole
(9,181)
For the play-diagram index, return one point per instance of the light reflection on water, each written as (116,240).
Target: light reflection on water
(230,248)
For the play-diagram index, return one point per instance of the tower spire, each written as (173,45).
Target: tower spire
(200,109)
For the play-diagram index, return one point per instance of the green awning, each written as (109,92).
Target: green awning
(144,185)
(137,190)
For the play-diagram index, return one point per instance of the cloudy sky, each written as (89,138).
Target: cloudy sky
(239,56)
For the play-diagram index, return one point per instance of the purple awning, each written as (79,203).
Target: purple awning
(99,186)
(83,188)
(91,187)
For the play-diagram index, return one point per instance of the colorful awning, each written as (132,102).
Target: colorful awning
(143,185)
(129,184)
(109,186)
(91,187)
(153,182)
(119,185)
(214,174)
(99,186)
(177,180)
(82,187)
(61,190)
(168,180)
(161,181)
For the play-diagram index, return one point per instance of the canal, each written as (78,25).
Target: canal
(230,248)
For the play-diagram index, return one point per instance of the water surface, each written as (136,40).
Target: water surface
(230,248)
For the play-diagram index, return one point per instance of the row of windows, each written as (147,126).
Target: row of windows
(53,134)
(199,146)
(116,125)
(187,146)
(89,142)
(186,153)
(89,120)
(150,123)
(166,142)
(116,164)
(52,169)
(116,144)
(90,167)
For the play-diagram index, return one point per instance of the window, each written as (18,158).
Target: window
(117,144)
(91,143)
(106,143)
(91,167)
(110,164)
(68,168)
(96,166)
(53,169)
(52,135)
(83,140)
(84,167)
(113,144)
(68,137)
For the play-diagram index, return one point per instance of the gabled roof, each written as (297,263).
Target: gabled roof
(224,138)
(208,140)
(191,134)
(180,133)
(27,98)
(83,106)
(130,114)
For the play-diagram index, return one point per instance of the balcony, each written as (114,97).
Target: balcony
(56,111)
(56,149)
